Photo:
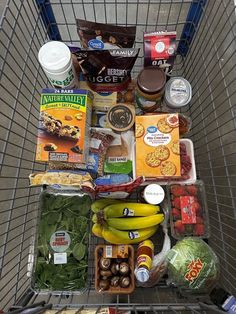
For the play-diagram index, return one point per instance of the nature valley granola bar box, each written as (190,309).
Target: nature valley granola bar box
(65,118)
(157,145)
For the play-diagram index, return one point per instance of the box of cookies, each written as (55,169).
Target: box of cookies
(65,119)
(157,145)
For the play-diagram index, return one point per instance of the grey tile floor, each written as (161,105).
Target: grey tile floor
(2,6)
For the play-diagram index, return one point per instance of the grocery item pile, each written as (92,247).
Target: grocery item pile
(120,168)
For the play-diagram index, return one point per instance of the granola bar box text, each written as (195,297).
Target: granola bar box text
(65,118)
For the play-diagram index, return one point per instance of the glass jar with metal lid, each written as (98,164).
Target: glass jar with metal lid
(150,88)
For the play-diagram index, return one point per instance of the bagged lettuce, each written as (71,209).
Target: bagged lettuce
(193,266)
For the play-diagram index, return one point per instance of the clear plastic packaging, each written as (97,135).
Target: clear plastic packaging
(189,211)
(61,262)
(114,265)
(193,266)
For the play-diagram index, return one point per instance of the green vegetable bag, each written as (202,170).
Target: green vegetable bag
(62,247)
(193,266)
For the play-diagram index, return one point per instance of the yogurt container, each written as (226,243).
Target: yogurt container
(154,194)
(178,93)
(56,61)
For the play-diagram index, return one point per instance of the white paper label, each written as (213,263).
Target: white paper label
(133,235)
(117,159)
(108,251)
(95,143)
(60,258)
(128,212)
(60,241)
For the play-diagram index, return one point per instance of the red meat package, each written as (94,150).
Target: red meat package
(160,50)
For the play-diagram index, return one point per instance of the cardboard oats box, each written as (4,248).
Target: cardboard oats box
(64,125)
(157,145)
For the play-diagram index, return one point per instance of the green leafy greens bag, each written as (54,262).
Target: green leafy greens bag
(62,247)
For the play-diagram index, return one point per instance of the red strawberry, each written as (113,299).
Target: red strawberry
(199,220)
(179,227)
(178,190)
(192,189)
(176,213)
(197,207)
(176,202)
(199,229)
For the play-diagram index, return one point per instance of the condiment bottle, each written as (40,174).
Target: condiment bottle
(144,260)
(150,88)
(56,61)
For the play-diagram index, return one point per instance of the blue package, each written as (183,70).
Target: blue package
(92,164)
(112,179)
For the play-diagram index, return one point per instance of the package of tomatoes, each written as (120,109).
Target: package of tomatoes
(189,212)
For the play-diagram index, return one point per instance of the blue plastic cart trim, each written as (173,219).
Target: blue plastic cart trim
(48,18)
(193,18)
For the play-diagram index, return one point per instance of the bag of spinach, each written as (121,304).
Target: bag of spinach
(62,247)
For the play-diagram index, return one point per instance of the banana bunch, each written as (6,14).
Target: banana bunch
(120,222)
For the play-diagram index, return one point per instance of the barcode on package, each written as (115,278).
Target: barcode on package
(108,251)
(60,258)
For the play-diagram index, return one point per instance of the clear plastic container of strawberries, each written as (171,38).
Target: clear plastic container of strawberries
(189,212)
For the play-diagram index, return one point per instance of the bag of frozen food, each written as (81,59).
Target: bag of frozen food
(160,50)
(107,70)
(193,266)
(95,35)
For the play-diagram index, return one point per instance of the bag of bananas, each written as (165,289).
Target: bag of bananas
(125,223)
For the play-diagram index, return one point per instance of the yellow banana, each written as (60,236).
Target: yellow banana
(135,223)
(102,203)
(115,236)
(97,230)
(94,218)
(129,210)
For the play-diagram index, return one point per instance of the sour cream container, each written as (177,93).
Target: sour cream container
(153,194)
(178,92)
(56,61)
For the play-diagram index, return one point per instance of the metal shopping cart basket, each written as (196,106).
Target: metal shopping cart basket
(206,57)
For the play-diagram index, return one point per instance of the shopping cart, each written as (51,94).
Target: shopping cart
(206,46)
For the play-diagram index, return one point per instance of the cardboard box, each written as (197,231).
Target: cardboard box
(65,119)
(157,145)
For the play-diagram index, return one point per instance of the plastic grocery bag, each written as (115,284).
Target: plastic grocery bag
(159,265)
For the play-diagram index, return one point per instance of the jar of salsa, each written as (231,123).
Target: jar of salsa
(150,88)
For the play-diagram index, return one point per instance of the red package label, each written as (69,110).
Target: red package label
(188,211)
(160,49)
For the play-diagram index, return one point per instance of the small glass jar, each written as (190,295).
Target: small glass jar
(150,88)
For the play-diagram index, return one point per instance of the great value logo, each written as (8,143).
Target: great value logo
(96,44)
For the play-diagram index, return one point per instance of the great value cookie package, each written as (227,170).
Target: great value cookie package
(157,145)
(65,118)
